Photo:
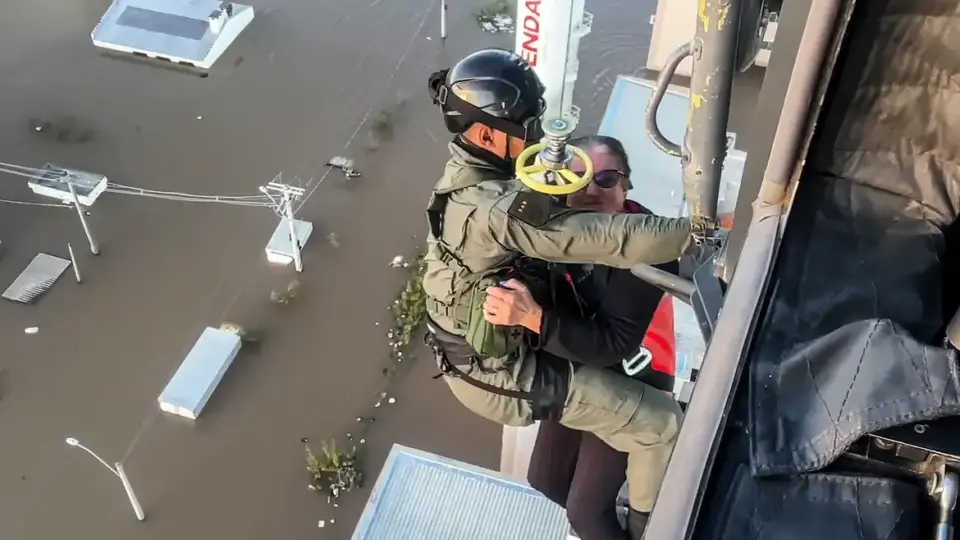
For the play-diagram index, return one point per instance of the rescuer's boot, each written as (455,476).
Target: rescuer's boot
(637,523)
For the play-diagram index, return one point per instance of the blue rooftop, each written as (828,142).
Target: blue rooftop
(422,496)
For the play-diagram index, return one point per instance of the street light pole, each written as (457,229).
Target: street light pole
(118,471)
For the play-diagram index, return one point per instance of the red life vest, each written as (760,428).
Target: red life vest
(661,337)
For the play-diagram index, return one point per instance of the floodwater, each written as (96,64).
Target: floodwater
(284,99)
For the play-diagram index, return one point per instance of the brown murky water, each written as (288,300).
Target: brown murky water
(285,98)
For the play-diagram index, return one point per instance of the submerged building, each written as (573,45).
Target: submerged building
(186,34)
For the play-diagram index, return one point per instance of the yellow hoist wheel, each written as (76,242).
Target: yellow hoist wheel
(574,182)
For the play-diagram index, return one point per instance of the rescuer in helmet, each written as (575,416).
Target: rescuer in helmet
(486,228)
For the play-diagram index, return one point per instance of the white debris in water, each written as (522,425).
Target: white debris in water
(340,162)
(397,261)
(199,118)
(333,240)
(321,524)
(31,330)
(391,400)
(498,24)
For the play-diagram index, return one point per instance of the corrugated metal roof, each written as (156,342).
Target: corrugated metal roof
(39,276)
(422,496)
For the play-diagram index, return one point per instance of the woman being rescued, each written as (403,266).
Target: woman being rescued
(611,426)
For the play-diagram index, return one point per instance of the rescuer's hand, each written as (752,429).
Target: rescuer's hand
(511,304)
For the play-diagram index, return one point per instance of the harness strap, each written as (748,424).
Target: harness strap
(447,369)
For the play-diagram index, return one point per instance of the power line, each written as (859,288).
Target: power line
(214,200)
(45,174)
(28,203)
(363,120)
(253,270)
(118,187)
(30,175)
(14,166)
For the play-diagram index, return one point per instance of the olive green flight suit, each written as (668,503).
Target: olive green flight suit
(479,228)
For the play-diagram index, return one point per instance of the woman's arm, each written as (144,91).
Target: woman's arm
(626,308)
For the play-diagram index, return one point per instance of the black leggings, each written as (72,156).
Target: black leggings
(584,475)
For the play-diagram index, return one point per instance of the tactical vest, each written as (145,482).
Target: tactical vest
(469,286)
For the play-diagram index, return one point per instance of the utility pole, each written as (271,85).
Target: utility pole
(94,248)
(289,194)
(73,262)
(443,19)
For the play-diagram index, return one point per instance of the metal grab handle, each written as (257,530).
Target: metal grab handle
(665,281)
(663,81)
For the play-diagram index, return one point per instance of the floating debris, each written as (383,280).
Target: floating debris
(346,165)
(333,472)
(340,162)
(397,262)
(410,309)
(284,295)
(31,330)
(391,401)
(333,240)
(497,24)
(64,129)
(246,335)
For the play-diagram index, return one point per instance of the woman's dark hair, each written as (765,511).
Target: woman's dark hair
(607,145)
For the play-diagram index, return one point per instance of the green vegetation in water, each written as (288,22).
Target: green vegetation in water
(383,123)
(284,295)
(334,471)
(381,129)
(493,8)
(246,335)
(410,309)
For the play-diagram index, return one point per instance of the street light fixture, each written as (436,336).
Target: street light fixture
(117,470)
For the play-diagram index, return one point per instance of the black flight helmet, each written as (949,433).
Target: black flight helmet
(493,87)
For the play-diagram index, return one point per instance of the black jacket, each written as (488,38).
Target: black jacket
(616,309)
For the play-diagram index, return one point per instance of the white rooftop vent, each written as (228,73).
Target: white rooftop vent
(184,34)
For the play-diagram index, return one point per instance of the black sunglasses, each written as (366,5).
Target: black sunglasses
(608,178)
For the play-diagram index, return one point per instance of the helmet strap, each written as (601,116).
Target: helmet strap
(503,164)
(468,114)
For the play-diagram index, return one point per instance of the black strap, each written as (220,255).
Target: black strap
(447,369)
(442,96)
(435,211)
